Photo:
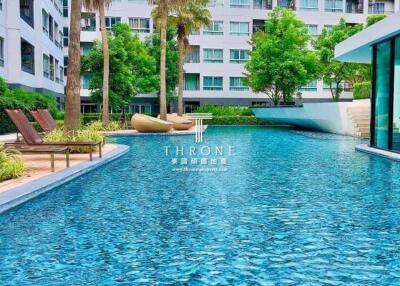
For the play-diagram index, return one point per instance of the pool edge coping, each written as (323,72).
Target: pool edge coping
(364,148)
(21,194)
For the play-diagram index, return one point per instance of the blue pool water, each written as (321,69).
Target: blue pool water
(291,208)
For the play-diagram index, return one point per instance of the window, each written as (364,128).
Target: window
(237,84)
(46,66)
(85,81)
(396,97)
(262,4)
(65,65)
(65,36)
(60,39)
(213,55)
(191,81)
(212,83)
(313,29)
(258,25)
(56,34)
(194,55)
(215,28)
(85,47)
(1,52)
(238,56)
(140,25)
(51,28)
(27,57)
(51,67)
(239,28)
(26,11)
(61,75)
(311,86)
(334,6)
(289,4)
(65,8)
(216,3)
(382,91)
(110,21)
(45,22)
(308,5)
(240,3)
(88,22)
(57,70)
(377,8)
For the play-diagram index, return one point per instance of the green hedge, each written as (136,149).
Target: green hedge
(235,120)
(362,90)
(224,110)
(24,100)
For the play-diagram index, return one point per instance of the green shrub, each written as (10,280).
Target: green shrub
(24,100)
(235,120)
(11,165)
(372,19)
(222,110)
(113,126)
(84,135)
(362,90)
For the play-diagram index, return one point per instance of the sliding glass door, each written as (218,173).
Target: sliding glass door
(382,93)
(396,98)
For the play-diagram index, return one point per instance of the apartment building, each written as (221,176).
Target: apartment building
(214,68)
(31,50)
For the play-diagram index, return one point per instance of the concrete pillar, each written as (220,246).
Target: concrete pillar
(365,7)
(396,6)
(13,41)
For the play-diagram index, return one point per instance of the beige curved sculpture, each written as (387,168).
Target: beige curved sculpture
(179,122)
(147,124)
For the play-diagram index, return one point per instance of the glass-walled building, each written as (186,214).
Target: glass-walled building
(380,46)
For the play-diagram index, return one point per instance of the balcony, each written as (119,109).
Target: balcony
(262,4)
(193,57)
(383,7)
(88,22)
(354,6)
(258,25)
(288,4)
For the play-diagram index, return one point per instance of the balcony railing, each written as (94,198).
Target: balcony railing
(354,7)
(262,4)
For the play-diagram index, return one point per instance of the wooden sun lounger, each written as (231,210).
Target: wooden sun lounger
(33,149)
(44,119)
(32,137)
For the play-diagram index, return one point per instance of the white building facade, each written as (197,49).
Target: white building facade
(34,44)
(31,52)
(214,69)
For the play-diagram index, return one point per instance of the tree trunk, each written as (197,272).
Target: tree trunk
(73,99)
(163,51)
(106,63)
(181,50)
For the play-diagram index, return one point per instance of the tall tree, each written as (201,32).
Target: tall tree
(333,72)
(161,11)
(188,17)
(281,60)
(100,6)
(73,100)
(171,59)
(132,67)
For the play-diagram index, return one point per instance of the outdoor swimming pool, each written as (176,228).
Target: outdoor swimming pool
(292,208)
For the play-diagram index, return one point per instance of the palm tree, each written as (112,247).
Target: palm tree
(73,100)
(100,5)
(161,11)
(187,18)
